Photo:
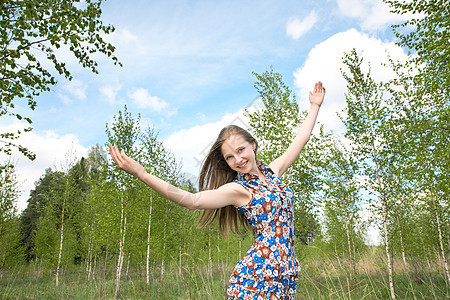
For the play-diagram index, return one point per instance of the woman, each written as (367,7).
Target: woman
(234,186)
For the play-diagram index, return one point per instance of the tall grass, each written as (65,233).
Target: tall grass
(327,277)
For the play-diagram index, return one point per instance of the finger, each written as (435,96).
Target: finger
(116,155)
(112,151)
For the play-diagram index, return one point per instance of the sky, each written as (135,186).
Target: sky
(187,69)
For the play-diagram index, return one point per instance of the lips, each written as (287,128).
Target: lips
(242,165)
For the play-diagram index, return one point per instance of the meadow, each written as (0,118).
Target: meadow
(323,277)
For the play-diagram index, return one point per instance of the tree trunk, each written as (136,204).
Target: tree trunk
(128,263)
(389,262)
(441,240)
(89,260)
(352,269)
(106,262)
(147,264)
(386,236)
(438,223)
(401,244)
(61,236)
(164,246)
(123,229)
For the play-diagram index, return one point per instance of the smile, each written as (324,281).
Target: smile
(243,165)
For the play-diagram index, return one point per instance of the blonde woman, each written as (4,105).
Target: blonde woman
(237,189)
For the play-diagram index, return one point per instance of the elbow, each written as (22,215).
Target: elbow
(192,207)
(193,202)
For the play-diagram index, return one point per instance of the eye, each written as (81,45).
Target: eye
(241,149)
(228,157)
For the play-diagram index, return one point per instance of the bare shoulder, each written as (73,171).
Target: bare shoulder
(237,192)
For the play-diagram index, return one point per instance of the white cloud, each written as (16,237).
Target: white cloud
(295,28)
(110,92)
(74,89)
(324,63)
(143,99)
(125,39)
(51,151)
(372,15)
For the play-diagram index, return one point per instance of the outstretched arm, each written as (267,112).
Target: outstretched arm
(282,163)
(228,194)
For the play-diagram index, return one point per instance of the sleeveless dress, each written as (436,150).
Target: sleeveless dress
(269,269)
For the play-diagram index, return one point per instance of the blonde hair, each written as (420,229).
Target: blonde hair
(214,173)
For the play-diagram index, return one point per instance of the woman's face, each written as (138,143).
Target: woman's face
(239,154)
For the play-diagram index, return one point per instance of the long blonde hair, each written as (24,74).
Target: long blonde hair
(214,173)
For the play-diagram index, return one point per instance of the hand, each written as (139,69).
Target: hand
(126,163)
(317,96)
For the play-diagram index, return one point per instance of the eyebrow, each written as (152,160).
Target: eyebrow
(244,144)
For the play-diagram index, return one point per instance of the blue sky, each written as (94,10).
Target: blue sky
(187,69)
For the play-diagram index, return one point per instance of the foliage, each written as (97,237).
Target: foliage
(31,33)
(426,34)
(344,229)
(11,253)
(275,126)
(31,214)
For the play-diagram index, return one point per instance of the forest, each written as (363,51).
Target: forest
(92,231)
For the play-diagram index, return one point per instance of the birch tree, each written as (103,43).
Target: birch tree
(421,123)
(275,125)
(124,132)
(366,115)
(31,33)
(343,203)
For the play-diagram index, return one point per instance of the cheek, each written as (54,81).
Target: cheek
(228,162)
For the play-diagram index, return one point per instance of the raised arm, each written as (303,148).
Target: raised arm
(228,194)
(282,163)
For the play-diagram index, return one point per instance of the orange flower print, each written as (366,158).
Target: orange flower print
(265,251)
(267,207)
(279,231)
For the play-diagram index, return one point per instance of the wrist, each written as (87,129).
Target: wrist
(315,105)
(141,174)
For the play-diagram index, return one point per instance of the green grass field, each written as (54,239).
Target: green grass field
(321,279)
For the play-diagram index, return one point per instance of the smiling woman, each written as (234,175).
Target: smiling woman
(234,186)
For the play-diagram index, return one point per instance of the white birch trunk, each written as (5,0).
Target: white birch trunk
(401,244)
(164,247)
(89,260)
(123,228)
(147,264)
(386,236)
(352,269)
(441,241)
(390,264)
(385,227)
(61,240)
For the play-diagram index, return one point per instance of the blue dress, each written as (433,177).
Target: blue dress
(269,269)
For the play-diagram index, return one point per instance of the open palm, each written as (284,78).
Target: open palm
(316,97)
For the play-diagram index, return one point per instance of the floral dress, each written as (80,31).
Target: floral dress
(269,269)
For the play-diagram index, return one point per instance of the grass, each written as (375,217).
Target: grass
(327,278)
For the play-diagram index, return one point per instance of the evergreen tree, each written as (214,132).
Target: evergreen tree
(11,252)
